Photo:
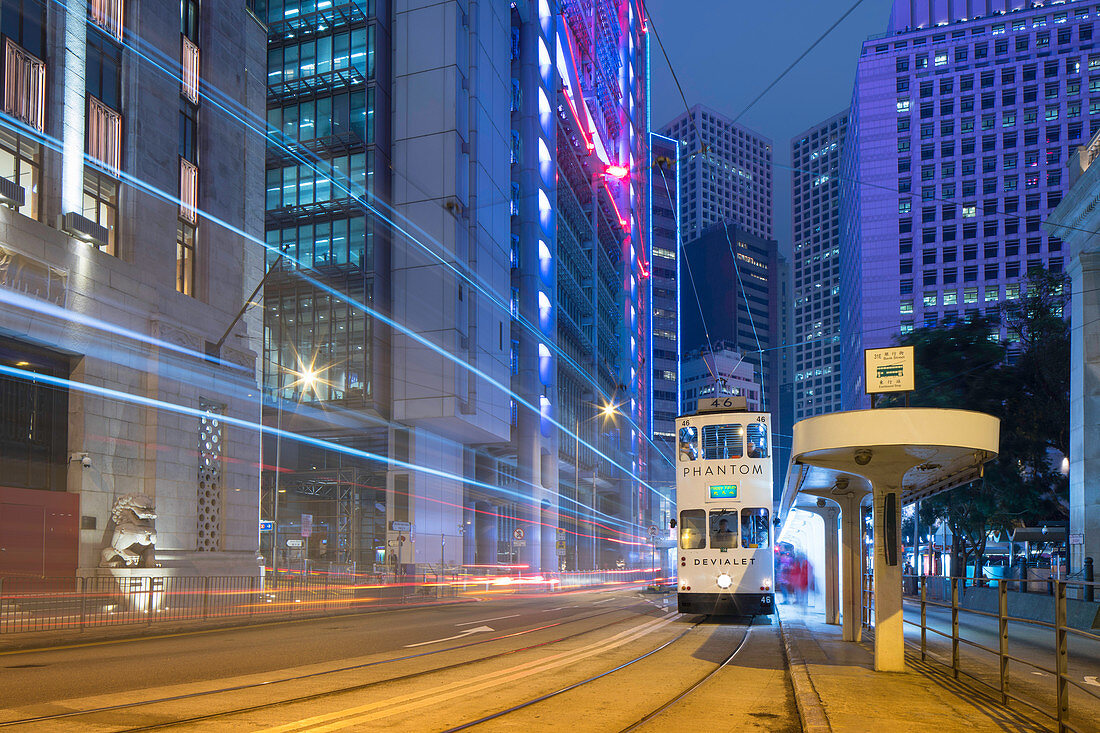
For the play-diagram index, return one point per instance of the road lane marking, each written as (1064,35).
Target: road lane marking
(1091,680)
(606,600)
(462,635)
(559,608)
(486,620)
(357,716)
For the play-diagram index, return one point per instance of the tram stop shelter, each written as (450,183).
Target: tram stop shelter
(888,457)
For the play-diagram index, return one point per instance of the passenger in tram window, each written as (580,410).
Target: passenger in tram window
(757,441)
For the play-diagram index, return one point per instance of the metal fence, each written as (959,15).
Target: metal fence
(51,604)
(1060,652)
(48,604)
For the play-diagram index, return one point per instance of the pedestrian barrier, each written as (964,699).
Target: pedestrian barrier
(49,604)
(1062,632)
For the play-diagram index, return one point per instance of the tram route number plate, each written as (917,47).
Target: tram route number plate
(723,491)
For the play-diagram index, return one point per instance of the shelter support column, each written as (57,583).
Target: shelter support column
(851,562)
(889,629)
(829,514)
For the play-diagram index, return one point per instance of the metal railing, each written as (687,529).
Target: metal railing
(51,604)
(1062,632)
(30,604)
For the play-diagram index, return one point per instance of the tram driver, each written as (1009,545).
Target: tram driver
(722,536)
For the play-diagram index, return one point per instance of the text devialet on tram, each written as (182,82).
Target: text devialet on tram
(723,503)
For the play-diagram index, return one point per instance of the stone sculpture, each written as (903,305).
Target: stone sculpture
(134,536)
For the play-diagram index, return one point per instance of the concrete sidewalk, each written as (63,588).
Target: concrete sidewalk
(837,689)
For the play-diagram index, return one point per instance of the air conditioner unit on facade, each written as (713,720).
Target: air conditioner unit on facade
(11,193)
(84,229)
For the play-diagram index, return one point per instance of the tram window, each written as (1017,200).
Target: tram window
(758,440)
(754,528)
(723,529)
(693,529)
(689,447)
(722,441)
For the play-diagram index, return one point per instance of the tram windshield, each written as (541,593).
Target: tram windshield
(722,441)
(723,529)
(758,441)
(693,529)
(754,528)
(689,450)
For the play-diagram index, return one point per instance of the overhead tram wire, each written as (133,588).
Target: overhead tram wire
(691,278)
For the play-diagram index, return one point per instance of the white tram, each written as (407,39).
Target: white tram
(724,505)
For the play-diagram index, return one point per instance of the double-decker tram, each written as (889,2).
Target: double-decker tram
(724,503)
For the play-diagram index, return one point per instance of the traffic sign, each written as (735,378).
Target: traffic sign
(653,530)
(401,526)
(889,370)
(519,543)
(267,525)
(1077,538)
(518,533)
(295,543)
(560,544)
(307,525)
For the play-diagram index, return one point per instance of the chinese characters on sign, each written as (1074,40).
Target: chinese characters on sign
(889,370)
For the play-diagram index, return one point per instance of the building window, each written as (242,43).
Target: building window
(185,257)
(24,86)
(107,14)
(21,162)
(104,137)
(189,131)
(103,72)
(101,204)
(189,20)
(189,71)
(189,191)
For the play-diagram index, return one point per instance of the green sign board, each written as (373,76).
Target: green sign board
(724,491)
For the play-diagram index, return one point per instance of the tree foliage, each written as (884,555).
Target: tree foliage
(1023,380)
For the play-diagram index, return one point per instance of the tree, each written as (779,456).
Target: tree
(1025,382)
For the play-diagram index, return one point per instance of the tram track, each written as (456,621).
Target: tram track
(644,719)
(74,714)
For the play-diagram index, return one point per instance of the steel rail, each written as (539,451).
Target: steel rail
(632,726)
(311,675)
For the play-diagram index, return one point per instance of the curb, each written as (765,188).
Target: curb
(810,709)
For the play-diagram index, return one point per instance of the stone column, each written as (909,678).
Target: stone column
(1084,409)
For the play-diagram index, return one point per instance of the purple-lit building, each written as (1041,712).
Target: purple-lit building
(959,130)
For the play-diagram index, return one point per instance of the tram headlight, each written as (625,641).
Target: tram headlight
(724,581)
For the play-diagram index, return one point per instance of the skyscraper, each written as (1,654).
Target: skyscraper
(725,174)
(957,140)
(730,291)
(482,212)
(665,278)
(815,227)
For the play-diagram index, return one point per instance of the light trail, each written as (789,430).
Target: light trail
(237,112)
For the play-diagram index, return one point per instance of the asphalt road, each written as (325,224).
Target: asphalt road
(423,669)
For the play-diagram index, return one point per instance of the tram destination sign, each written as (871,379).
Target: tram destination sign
(889,370)
(723,491)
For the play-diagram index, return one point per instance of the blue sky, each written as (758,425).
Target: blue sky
(725,52)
